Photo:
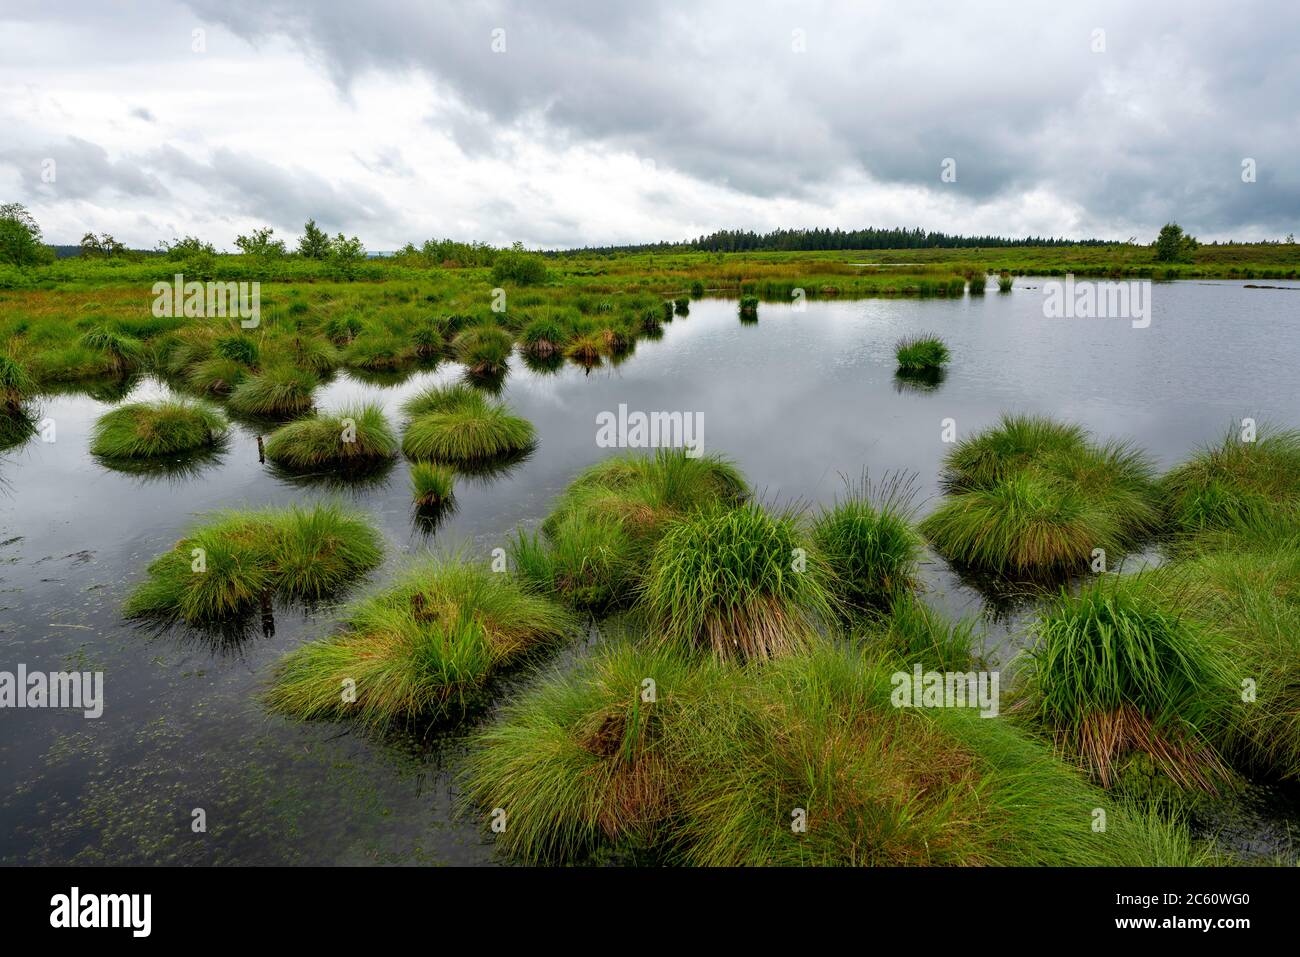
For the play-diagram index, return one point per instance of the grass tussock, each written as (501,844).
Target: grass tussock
(419,651)
(484,350)
(16,385)
(1033,496)
(431,484)
(923,353)
(1244,593)
(1236,484)
(458,424)
(742,583)
(869,542)
(682,760)
(1114,672)
(145,430)
(239,560)
(358,435)
(277,392)
(594,547)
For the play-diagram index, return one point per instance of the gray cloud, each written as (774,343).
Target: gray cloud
(741,128)
(1153,126)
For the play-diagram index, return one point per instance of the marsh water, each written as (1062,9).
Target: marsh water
(799,399)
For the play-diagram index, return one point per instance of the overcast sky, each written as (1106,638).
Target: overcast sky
(562,123)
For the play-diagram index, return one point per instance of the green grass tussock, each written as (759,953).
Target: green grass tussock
(593,548)
(458,424)
(420,651)
(741,582)
(431,484)
(1032,496)
(355,436)
(277,392)
(1113,672)
(144,430)
(643,752)
(868,540)
(923,353)
(1236,484)
(16,385)
(239,559)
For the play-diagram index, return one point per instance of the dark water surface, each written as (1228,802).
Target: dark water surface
(797,399)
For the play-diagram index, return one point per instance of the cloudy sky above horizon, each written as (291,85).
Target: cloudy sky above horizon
(581,123)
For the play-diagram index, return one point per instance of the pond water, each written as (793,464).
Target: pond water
(799,399)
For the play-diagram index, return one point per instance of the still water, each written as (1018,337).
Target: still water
(800,400)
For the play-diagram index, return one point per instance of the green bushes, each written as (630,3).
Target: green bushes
(422,650)
(355,436)
(458,425)
(1113,672)
(518,267)
(1033,496)
(144,430)
(923,353)
(240,559)
(278,392)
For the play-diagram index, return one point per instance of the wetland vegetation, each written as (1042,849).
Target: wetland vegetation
(747,643)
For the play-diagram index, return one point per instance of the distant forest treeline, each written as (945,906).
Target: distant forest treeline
(801,240)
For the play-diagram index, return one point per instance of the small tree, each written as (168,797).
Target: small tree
(1173,245)
(20,237)
(347,253)
(315,242)
(103,246)
(260,245)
